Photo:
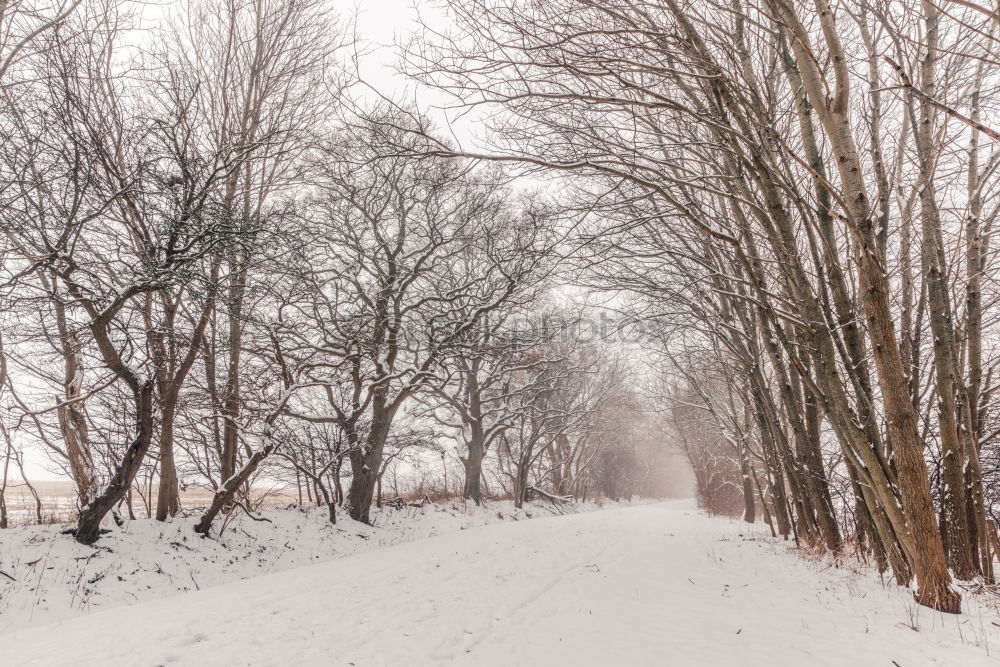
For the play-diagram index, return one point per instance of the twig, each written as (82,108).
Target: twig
(249,513)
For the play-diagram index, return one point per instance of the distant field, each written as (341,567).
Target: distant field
(58,501)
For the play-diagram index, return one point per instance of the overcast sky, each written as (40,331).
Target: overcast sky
(380,24)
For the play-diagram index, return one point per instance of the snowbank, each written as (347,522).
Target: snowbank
(56,578)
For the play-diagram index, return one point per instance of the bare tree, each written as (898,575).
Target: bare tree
(258,74)
(790,226)
(387,304)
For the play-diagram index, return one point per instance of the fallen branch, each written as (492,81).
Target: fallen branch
(249,513)
(398,502)
(550,497)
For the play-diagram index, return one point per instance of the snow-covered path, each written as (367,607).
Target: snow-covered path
(648,585)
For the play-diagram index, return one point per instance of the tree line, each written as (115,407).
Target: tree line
(801,195)
(222,267)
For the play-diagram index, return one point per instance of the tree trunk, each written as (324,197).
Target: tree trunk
(337,484)
(474,470)
(72,421)
(88,525)
(953,492)
(231,398)
(365,465)
(976,252)
(168,497)
(223,497)
(749,502)
(521,482)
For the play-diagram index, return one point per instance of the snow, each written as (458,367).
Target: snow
(55,578)
(653,584)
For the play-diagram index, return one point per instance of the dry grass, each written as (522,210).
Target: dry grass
(59,502)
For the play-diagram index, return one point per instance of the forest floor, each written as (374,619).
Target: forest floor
(654,584)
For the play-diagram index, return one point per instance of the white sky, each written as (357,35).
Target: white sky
(382,24)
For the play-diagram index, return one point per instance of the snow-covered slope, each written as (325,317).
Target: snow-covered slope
(50,577)
(650,585)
